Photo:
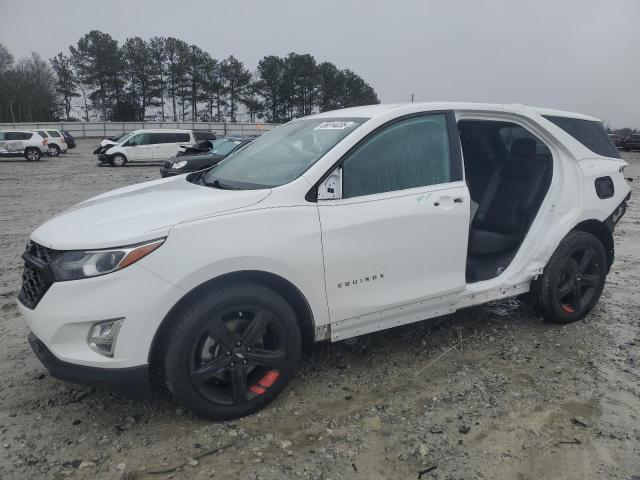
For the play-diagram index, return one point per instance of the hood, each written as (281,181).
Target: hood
(104,146)
(138,213)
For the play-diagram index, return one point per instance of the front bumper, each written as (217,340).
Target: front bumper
(167,172)
(65,314)
(133,380)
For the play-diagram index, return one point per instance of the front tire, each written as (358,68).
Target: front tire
(572,281)
(232,351)
(118,160)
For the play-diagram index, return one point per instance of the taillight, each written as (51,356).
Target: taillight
(44,141)
(62,140)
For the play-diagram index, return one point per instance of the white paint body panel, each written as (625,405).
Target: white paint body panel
(418,246)
(393,248)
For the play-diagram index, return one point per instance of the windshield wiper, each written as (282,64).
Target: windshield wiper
(218,184)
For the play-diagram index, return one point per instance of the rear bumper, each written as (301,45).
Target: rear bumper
(132,380)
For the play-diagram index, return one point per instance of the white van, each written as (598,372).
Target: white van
(144,146)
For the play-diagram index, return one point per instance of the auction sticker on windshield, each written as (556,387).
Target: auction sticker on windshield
(334,125)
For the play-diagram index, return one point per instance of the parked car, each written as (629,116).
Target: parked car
(632,142)
(219,150)
(143,146)
(55,141)
(202,135)
(69,139)
(328,227)
(18,143)
(616,139)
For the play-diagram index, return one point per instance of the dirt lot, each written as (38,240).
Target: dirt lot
(519,398)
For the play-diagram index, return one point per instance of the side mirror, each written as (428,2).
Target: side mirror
(331,188)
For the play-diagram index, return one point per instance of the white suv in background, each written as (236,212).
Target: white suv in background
(16,143)
(56,142)
(144,146)
(328,227)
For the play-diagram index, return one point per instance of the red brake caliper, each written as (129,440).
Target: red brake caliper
(265,382)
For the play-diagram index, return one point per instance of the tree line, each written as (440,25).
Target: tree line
(168,79)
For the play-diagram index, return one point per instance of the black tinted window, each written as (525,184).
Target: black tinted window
(204,136)
(163,138)
(18,135)
(407,154)
(42,133)
(589,133)
(183,137)
(512,132)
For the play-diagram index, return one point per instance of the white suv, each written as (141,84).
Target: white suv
(22,143)
(55,141)
(329,227)
(143,146)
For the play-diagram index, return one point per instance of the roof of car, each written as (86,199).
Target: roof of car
(161,130)
(19,131)
(371,111)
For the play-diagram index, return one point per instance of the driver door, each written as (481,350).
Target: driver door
(139,148)
(397,233)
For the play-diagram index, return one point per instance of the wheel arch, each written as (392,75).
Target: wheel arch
(603,233)
(278,284)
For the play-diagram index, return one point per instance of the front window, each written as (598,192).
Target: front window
(410,153)
(123,138)
(283,154)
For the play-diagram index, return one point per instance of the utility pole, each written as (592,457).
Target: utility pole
(411,95)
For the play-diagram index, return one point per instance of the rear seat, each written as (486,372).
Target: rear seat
(510,200)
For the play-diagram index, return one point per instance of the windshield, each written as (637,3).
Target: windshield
(224,146)
(283,154)
(123,138)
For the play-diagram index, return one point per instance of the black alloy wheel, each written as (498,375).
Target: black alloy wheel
(231,350)
(238,356)
(579,278)
(573,279)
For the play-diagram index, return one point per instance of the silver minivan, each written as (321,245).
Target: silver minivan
(144,146)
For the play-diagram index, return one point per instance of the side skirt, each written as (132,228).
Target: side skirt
(415,312)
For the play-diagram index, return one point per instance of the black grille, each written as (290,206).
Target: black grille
(39,252)
(36,277)
(168,165)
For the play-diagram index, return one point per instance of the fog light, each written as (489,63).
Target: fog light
(103,335)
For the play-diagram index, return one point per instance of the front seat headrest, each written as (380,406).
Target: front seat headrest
(523,148)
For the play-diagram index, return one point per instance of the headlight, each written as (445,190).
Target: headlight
(179,164)
(76,264)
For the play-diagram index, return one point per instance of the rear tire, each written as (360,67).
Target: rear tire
(572,281)
(118,160)
(232,351)
(32,154)
(54,150)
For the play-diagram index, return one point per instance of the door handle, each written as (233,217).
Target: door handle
(457,200)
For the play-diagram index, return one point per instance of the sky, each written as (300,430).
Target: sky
(576,55)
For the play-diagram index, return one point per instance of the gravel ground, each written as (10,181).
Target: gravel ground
(518,398)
